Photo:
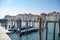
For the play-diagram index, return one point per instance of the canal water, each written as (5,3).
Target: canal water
(35,35)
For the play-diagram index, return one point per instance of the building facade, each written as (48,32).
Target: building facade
(12,20)
(53,16)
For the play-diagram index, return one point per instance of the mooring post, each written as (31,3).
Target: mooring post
(40,25)
(27,27)
(32,23)
(59,28)
(11,22)
(46,30)
(6,24)
(19,26)
(43,25)
(29,22)
(54,30)
(9,26)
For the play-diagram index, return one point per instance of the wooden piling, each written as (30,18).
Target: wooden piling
(43,25)
(12,22)
(6,24)
(40,25)
(32,23)
(26,27)
(47,30)
(54,30)
(9,26)
(29,23)
(19,25)
(59,28)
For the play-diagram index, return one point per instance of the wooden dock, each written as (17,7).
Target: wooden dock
(3,35)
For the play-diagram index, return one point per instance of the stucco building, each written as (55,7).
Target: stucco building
(12,20)
(53,16)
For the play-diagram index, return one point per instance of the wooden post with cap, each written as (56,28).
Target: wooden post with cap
(46,30)
(26,27)
(40,25)
(19,25)
(54,30)
(59,28)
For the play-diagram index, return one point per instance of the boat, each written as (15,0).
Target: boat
(16,28)
(33,29)
(24,27)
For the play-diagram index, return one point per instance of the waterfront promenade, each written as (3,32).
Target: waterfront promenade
(3,35)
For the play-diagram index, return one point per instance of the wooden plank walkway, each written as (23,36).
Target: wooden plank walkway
(3,35)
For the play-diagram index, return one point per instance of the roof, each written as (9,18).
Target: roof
(53,13)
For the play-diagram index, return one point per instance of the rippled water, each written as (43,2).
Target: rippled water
(35,35)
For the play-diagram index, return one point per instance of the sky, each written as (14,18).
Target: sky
(14,7)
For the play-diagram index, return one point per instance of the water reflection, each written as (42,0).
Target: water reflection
(26,36)
(35,36)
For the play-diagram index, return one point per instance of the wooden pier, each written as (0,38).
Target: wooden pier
(3,35)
